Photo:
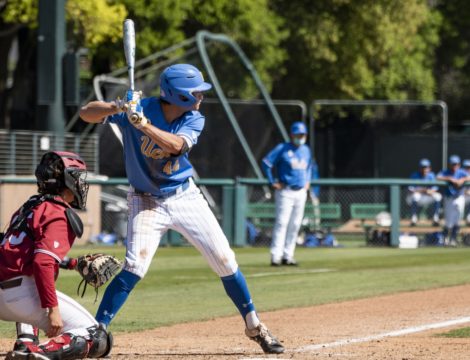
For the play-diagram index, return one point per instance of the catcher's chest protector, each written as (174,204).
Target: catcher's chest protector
(20,222)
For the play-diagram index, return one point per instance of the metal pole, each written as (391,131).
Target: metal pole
(200,41)
(395,212)
(228,110)
(51,49)
(239,227)
(445,134)
(311,129)
(228,198)
(13,153)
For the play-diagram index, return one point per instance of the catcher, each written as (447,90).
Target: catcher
(38,238)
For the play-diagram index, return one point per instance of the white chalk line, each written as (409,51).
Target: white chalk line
(265,274)
(410,330)
(283,273)
(401,332)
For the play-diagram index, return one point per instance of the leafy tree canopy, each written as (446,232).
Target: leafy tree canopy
(302,49)
(359,49)
(453,58)
(91,22)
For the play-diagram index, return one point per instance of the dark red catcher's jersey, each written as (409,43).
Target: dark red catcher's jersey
(48,232)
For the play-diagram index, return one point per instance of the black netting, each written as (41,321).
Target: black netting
(354,141)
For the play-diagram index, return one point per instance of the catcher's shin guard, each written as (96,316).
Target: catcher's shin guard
(66,347)
(100,342)
(63,347)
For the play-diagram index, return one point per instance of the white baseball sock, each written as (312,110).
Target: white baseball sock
(252,320)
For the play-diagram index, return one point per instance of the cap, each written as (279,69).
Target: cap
(424,163)
(466,163)
(454,159)
(298,128)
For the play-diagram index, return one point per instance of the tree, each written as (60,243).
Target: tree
(453,58)
(97,25)
(361,49)
(164,23)
(259,32)
(90,24)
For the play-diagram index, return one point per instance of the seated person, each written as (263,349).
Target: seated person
(420,196)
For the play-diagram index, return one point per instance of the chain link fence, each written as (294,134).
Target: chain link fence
(355,213)
(360,212)
(344,211)
(21,151)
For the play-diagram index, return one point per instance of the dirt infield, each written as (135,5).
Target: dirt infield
(401,326)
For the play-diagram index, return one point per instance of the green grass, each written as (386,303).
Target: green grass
(180,287)
(457,333)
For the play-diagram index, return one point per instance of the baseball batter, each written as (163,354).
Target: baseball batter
(454,200)
(38,238)
(292,162)
(163,195)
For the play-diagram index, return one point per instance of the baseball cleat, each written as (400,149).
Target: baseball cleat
(290,262)
(24,341)
(265,339)
(25,355)
(21,345)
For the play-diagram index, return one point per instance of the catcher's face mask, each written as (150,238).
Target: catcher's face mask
(58,170)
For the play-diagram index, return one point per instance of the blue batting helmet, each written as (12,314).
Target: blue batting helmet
(298,128)
(178,82)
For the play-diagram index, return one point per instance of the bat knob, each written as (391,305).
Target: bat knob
(135,117)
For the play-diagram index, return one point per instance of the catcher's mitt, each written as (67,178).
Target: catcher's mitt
(96,270)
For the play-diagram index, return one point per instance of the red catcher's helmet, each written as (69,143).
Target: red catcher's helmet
(59,170)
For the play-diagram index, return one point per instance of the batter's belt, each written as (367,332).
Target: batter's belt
(8,284)
(178,190)
(295,188)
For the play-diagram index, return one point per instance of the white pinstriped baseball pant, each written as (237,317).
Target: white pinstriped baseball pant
(187,213)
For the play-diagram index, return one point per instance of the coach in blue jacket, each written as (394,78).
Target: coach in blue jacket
(288,169)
